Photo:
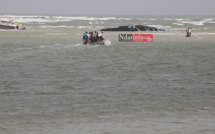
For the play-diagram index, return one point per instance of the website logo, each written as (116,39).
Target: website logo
(135,37)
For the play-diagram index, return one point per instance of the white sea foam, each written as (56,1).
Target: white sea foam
(93,22)
(81,27)
(23,16)
(157,26)
(78,44)
(180,19)
(178,29)
(146,19)
(209,21)
(35,19)
(57,34)
(107,42)
(26,18)
(180,24)
(125,19)
(96,22)
(167,19)
(53,19)
(199,22)
(65,18)
(61,26)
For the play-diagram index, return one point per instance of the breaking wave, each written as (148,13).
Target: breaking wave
(86,23)
(54,19)
(107,42)
(198,22)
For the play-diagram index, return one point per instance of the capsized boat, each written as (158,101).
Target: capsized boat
(137,28)
(10,25)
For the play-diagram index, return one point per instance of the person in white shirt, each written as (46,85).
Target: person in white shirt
(190,30)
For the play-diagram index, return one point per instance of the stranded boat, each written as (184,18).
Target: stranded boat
(10,25)
(133,28)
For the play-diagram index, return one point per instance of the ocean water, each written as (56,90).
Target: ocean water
(52,84)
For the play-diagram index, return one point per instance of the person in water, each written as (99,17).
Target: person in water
(85,38)
(189,30)
(96,36)
(17,25)
(100,36)
(91,37)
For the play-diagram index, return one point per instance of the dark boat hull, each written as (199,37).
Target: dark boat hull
(137,28)
(95,43)
(6,27)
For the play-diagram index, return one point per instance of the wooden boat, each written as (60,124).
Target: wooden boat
(10,25)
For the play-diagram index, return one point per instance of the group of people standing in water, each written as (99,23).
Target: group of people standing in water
(189,30)
(91,37)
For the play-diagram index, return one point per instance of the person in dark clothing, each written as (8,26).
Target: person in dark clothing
(97,36)
(187,31)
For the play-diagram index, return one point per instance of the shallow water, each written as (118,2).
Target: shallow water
(52,84)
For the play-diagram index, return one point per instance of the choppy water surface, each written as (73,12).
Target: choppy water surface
(52,84)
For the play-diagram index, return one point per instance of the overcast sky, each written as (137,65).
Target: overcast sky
(108,7)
